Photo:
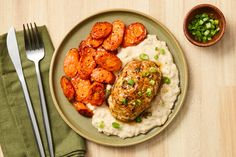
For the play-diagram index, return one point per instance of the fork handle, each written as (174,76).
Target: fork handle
(32,116)
(44,110)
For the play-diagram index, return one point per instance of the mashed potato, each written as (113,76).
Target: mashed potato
(162,104)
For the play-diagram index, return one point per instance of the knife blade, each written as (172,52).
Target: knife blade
(13,51)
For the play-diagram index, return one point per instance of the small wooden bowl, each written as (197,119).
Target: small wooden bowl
(211,10)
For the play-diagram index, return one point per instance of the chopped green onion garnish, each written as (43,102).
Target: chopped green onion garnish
(201,22)
(140,93)
(203,27)
(156,57)
(204,39)
(156,48)
(144,56)
(209,38)
(101,124)
(115,125)
(162,51)
(152,82)
(138,119)
(216,22)
(124,101)
(204,15)
(213,26)
(108,91)
(153,70)
(130,82)
(149,92)
(166,80)
(204,19)
(213,32)
(206,32)
(145,74)
(208,25)
(137,102)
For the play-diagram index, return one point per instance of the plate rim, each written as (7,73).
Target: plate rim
(183,92)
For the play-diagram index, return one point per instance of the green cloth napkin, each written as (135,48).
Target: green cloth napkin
(16,133)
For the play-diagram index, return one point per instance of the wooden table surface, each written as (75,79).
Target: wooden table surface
(206,125)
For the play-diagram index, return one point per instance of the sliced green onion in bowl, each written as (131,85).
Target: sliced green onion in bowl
(208,25)
(203,27)
(216,22)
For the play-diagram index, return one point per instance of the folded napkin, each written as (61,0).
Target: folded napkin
(16,133)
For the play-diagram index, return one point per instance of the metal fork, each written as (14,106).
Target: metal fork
(35,52)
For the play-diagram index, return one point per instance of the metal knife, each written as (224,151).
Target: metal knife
(15,58)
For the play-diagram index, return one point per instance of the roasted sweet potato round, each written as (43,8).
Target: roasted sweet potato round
(113,41)
(83,44)
(82,109)
(81,88)
(96,94)
(101,30)
(103,76)
(134,34)
(100,48)
(94,42)
(67,88)
(71,62)
(108,60)
(86,63)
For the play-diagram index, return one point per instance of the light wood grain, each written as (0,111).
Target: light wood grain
(206,124)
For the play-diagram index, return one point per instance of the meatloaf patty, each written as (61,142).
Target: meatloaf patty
(134,89)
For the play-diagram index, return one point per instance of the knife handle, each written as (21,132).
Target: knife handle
(32,116)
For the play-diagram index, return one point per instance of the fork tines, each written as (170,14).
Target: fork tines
(32,37)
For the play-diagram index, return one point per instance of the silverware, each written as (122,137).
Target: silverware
(15,58)
(35,52)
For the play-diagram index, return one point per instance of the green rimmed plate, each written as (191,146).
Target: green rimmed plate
(82,125)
